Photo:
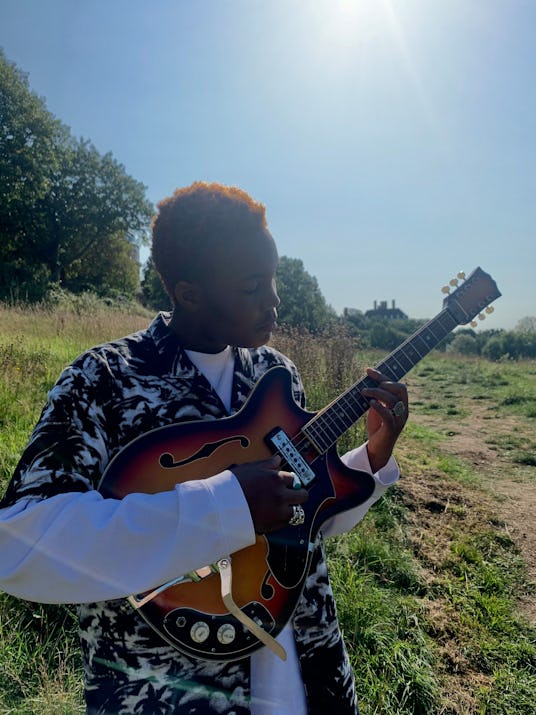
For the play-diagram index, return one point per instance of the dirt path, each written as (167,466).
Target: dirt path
(508,489)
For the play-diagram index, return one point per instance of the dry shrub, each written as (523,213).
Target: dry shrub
(328,362)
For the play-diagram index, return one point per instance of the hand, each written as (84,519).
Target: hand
(383,426)
(269,493)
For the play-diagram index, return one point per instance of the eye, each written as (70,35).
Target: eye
(250,288)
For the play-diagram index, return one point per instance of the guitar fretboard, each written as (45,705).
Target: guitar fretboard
(329,424)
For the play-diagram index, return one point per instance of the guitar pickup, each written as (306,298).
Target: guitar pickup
(282,444)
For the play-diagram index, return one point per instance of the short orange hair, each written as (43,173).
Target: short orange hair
(196,219)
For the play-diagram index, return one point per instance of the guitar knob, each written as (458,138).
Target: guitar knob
(199,632)
(226,633)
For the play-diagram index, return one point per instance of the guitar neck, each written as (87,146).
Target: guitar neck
(335,419)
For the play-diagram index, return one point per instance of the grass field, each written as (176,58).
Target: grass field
(435,588)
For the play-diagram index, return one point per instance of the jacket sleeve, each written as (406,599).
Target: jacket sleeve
(79,547)
(61,541)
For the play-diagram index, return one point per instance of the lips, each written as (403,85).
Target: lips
(269,324)
(267,327)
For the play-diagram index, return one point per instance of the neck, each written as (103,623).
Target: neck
(190,338)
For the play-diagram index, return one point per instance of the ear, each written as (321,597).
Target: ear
(188,295)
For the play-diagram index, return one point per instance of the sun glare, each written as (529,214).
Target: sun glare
(356,36)
(350,20)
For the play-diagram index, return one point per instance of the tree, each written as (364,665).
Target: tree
(494,349)
(302,303)
(91,199)
(111,268)
(463,344)
(29,135)
(60,200)
(153,291)
(526,324)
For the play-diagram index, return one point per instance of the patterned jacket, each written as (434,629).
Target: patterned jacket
(103,400)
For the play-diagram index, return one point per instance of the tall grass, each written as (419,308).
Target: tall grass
(421,623)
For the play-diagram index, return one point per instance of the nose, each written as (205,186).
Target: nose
(273,300)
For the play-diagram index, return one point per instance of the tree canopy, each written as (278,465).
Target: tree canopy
(67,213)
(302,302)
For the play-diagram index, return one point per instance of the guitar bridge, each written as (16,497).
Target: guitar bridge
(284,446)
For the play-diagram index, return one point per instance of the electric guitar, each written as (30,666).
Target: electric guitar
(205,614)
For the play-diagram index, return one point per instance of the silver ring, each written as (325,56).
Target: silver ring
(298,516)
(399,409)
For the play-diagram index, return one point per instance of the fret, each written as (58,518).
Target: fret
(393,369)
(360,403)
(447,322)
(347,412)
(404,360)
(436,334)
(314,431)
(328,423)
(439,331)
(412,354)
(421,345)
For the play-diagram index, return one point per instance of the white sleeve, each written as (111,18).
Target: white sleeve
(383,478)
(80,547)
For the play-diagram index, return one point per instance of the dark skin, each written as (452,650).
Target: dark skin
(234,302)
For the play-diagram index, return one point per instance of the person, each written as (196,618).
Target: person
(61,540)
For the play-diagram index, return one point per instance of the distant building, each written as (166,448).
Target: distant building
(381,310)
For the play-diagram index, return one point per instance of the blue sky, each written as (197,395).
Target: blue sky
(393,142)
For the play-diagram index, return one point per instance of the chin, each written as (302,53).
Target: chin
(254,342)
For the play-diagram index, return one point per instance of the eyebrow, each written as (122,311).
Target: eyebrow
(255,276)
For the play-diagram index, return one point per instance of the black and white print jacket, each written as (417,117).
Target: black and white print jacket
(104,399)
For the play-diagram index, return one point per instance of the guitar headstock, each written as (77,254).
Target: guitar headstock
(470,298)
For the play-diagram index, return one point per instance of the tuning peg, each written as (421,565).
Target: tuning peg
(490,309)
(461,275)
(481,316)
(453,282)
(445,289)
(473,323)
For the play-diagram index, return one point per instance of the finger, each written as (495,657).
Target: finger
(300,496)
(388,416)
(383,410)
(376,375)
(386,382)
(387,397)
(272,462)
(294,493)
(290,480)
